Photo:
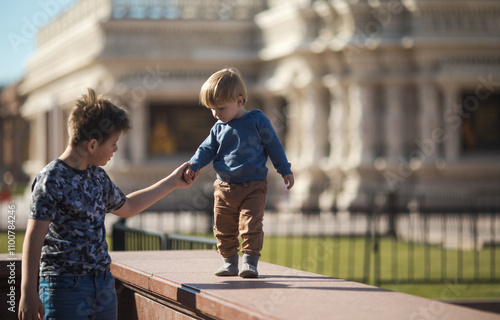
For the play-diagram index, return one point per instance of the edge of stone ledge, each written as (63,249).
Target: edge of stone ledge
(131,275)
(185,295)
(148,279)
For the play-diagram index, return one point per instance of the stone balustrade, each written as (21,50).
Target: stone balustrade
(85,10)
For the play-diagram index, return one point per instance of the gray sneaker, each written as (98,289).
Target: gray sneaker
(230,267)
(249,266)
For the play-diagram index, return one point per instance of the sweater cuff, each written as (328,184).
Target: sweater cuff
(285,170)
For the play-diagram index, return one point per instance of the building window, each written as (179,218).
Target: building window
(481,124)
(177,128)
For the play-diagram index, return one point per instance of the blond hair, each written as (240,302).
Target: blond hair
(95,117)
(223,86)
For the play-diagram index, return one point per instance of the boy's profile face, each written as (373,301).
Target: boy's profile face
(229,110)
(105,150)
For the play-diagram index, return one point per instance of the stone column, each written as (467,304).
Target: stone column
(361,125)
(315,126)
(57,130)
(138,136)
(273,108)
(452,125)
(40,139)
(308,143)
(428,122)
(293,138)
(336,122)
(394,122)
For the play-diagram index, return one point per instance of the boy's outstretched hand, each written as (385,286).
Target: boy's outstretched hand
(182,180)
(288,180)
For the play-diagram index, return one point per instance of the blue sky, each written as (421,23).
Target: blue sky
(19,22)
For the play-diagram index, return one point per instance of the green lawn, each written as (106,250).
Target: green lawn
(4,241)
(427,271)
(344,258)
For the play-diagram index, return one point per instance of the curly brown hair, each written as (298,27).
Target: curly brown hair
(96,117)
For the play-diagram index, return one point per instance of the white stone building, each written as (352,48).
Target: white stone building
(367,95)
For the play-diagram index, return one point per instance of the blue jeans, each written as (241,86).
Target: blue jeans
(79,297)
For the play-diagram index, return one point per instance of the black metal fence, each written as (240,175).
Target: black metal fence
(392,238)
(132,239)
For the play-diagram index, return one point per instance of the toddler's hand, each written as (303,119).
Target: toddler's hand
(188,175)
(288,181)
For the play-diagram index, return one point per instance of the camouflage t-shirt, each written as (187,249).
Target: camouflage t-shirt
(75,202)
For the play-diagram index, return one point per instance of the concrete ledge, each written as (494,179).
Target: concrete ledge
(181,285)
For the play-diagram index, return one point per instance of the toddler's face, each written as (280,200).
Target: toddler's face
(229,111)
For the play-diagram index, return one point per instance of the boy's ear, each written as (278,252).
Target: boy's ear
(91,145)
(241,101)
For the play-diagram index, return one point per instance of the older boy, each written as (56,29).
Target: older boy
(65,239)
(239,145)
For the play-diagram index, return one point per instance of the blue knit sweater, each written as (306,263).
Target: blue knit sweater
(239,149)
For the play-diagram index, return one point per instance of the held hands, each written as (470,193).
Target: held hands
(188,174)
(288,181)
(182,179)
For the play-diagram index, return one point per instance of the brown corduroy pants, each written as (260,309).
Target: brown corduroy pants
(239,211)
